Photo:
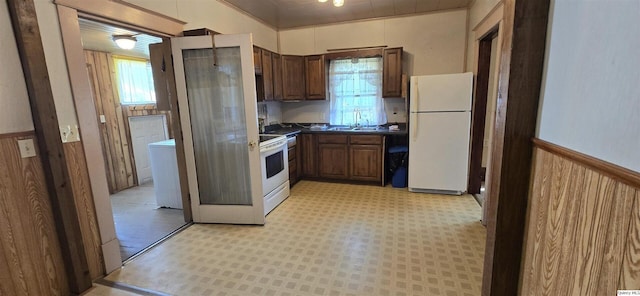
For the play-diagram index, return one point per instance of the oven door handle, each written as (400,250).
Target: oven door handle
(275,147)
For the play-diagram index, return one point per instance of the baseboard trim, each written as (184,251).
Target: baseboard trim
(25,134)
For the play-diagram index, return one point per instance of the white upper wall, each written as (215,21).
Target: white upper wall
(433,43)
(590,98)
(15,114)
(216,16)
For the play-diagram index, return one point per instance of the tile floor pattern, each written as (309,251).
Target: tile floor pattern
(327,239)
(139,221)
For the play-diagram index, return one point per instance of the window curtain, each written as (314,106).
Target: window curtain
(135,81)
(355,91)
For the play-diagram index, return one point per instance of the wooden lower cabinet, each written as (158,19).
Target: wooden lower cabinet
(342,157)
(365,162)
(293,166)
(332,161)
(308,152)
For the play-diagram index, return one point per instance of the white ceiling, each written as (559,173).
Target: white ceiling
(98,36)
(283,14)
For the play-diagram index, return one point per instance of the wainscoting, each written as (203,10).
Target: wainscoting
(30,257)
(583,229)
(79,174)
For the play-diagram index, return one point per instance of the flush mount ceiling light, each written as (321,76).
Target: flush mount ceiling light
(336,3)
(125,41)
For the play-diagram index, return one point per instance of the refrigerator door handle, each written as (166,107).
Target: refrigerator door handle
(416,106)
(415,125)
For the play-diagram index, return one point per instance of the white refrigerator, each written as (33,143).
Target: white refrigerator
(439,133)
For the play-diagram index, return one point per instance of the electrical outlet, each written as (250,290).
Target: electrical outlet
(103,119)
(27,149)
(69,133)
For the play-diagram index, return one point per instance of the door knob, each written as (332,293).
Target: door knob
(252,144)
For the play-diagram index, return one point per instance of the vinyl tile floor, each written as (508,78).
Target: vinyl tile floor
(326,239)
(139,220)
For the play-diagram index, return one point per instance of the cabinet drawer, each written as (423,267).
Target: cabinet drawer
(292,153)
(366,139)
(332,139)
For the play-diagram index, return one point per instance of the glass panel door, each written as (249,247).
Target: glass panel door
(216,94)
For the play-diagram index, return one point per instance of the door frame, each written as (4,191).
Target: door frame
(523,33)
(131,17)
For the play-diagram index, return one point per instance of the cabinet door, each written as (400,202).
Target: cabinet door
(293,166)
(308,155)
(257,60)
(332,161)
(316,77)
(392,73)
(267,75)
(293,87)
(365,162)
(276,64)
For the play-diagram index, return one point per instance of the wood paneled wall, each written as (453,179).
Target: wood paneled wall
(583,230)
(30,256)
(115,132)
(81,186)
(115,144)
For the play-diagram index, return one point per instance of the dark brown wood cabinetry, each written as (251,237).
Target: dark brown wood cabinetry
(315,77)
(343,157)
(392,73)
(293,165)
(293,81)
(257,60)
(308,160)
(333,154)
(267,75)
(276,63)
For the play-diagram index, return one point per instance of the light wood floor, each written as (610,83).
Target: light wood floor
(326,239)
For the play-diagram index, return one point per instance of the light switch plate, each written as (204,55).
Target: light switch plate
(103,119)
(27,149)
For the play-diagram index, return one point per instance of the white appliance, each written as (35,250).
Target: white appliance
(164,168)
(274,162)
(439,133)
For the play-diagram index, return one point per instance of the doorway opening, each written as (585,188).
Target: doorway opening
(484,112)
(137,138)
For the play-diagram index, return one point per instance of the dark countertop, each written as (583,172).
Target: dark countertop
(295,130)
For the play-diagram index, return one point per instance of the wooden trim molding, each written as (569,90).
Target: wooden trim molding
(127,13)
(524,33)
(54,159)
(365,53)
(617,172)
(25,134)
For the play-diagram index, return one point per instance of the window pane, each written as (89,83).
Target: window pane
(135,81)
(356,92)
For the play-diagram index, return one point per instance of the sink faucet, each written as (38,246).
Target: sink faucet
(357,115)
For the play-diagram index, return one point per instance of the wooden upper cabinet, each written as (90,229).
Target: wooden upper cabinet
(293,82)
(316,77)
(257,60)
(276,64)
(392,73)
(267,75)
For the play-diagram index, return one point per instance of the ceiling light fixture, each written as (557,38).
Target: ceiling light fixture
(125,41)
(338,3)
(322,1)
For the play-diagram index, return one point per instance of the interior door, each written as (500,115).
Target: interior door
(145,130)
(216,92)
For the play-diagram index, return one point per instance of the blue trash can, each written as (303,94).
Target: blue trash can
(398,156)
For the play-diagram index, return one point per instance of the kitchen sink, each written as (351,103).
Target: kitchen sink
(358,128)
